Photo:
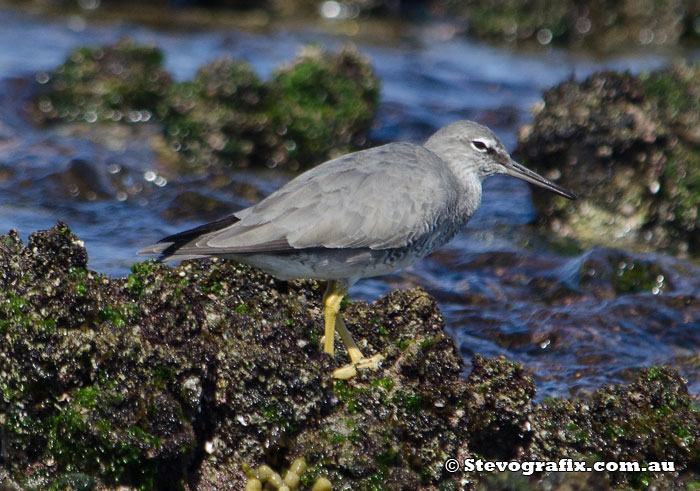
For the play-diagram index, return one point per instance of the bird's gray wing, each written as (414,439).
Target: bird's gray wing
(380,198)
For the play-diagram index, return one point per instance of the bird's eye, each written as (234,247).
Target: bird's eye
(479,146)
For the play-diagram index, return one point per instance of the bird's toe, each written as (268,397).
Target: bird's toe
(350,370)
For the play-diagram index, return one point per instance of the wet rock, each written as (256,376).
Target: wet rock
(318,107)
(499,406)
(93,180)
(610,273)
(185,377)
(190,205)
(627,145)
(6,173)
(82,180)
(652,420)
(122,82)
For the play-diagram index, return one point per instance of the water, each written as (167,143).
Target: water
(502,286)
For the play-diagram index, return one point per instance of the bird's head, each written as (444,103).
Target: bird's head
(474,148)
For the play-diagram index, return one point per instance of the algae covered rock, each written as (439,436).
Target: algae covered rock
(218,118)
(609,273)
(654,419)
(323,105)
(128,380)
(179,377)
(628,145)
(187,377)
(604,25)
(121,82)
(319,106)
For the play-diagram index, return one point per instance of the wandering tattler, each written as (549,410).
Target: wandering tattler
(364,214)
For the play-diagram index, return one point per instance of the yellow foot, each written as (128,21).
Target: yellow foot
(350,370)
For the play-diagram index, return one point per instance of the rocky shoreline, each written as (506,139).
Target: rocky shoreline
(183,377)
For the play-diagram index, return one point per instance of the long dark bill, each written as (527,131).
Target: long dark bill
(521,172)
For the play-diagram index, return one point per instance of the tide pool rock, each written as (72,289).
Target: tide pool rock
(628,144)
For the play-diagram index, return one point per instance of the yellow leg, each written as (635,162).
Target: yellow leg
(353,349)
(331,306)
(335,292)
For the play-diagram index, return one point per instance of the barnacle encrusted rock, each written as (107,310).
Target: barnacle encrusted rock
(179,378)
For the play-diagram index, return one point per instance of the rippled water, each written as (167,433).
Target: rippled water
(502,287)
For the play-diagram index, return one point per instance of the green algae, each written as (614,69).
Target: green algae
(319,106)
(385,383)
(348,395)
(111,315)
(409,402)
(123,82)
(636,136)
(138,278)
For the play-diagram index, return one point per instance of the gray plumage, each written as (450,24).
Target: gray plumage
(363,214)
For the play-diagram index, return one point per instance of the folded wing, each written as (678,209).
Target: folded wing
(371,199)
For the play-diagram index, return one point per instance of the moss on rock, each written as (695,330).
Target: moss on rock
(323,105)
(122,82)
(319,106)
(218,118)
(628,145)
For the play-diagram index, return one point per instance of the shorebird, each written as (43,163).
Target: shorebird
(364,214)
